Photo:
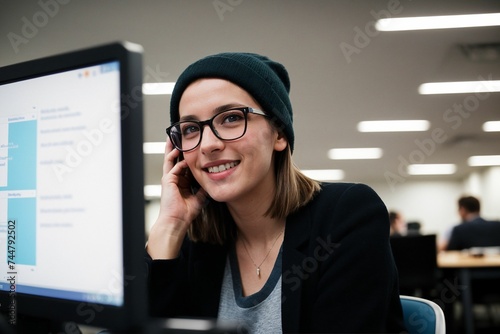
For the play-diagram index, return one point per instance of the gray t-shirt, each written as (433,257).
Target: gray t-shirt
(260,312)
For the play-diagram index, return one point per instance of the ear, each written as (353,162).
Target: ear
(281,142)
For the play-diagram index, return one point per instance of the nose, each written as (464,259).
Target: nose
(209,141)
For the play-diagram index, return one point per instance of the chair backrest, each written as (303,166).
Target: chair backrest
(422,316)
(416,260)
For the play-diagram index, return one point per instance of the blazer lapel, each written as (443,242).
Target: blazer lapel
(294,245)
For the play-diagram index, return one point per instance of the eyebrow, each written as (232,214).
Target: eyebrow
(215,111)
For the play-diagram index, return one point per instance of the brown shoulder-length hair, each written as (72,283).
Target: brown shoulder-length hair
(293,190)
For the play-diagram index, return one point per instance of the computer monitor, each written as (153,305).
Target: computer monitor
(71,189)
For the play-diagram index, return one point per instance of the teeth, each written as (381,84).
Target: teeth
(221,168)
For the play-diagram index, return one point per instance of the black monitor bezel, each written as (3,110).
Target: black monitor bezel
(134,310)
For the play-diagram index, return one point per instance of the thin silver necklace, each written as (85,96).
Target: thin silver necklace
(257,267)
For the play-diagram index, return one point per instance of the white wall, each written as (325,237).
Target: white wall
(432,203)
(486,186)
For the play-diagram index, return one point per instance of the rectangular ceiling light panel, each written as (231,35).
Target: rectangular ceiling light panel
(459,87)
(484,160)
(394,126)
(355,153)
(324,174)
(438,22)
(432,169)
(158,88)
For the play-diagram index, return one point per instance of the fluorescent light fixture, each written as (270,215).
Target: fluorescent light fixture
(153,148)
(484,160)
(158,88)
(152,190)
(491,126)
(324,174)
(459,87)
(355,153)
(432,169)
(438,22)
(393,126)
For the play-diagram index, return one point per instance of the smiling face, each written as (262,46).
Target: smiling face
(231,171)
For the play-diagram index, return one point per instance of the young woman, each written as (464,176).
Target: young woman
(243,235)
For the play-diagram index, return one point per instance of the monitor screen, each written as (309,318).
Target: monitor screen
(71,188)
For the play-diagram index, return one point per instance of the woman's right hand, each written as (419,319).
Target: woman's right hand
(178,207)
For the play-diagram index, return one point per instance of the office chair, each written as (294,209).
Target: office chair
(422,316)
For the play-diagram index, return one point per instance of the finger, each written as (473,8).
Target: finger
(179,168)
(170,157)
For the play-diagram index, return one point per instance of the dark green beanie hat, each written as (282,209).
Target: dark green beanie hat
(265,80)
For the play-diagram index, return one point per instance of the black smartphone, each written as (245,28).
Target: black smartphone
(195,186)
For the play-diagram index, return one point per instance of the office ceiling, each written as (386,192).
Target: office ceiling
(342,70)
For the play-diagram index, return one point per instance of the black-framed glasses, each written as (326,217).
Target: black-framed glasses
(227,125)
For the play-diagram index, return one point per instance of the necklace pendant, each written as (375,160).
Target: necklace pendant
(258,272)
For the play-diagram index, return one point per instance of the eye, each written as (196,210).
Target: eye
(189,129)
(231,117)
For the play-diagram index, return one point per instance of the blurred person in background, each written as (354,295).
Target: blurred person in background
(398,224)
(469,208)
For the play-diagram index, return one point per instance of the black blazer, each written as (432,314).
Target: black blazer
(338,274)
(476,233)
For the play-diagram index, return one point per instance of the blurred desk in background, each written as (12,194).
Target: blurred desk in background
(468,266)
(464,259)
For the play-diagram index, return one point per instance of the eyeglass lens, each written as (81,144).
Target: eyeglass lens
(227,125)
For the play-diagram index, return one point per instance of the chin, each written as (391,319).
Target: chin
(220,195)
